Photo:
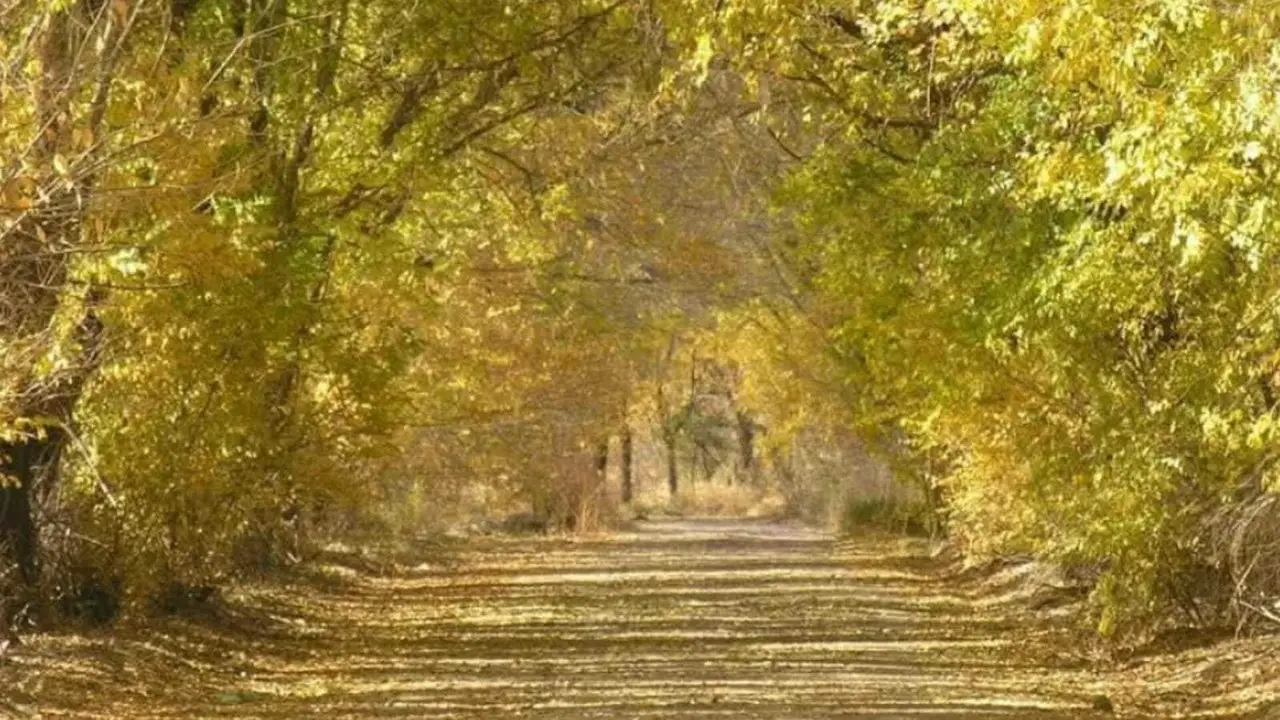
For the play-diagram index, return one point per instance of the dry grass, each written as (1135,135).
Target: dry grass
(727,501)
(1246,540)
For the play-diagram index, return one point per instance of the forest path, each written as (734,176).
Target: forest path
(677,619)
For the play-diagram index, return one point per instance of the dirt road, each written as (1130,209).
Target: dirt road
(679,619)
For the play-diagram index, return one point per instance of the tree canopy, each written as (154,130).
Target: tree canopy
(261,258)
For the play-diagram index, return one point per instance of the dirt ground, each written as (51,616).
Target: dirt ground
(676,619)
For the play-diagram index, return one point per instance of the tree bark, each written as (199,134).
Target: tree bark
(673,477)
(746,445)
(20,459)
(34,267)
(32,456)
(602,459)
(627,490)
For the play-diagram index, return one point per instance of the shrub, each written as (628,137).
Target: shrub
(887,515)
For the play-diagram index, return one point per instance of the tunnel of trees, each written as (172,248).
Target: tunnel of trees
(271,269)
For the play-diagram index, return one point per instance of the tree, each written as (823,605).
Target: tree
(1038,231)
(55,142)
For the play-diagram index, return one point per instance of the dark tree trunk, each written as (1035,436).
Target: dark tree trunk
(602,459)
(20,462)
(626,465)
(746,444)
(34,458)
(673,478)
(34,266)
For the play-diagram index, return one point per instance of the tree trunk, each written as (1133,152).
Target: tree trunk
(626,465)
(20,460)
(33,457)
(35,254)
(290,160)
(673,479)
(746,446)
(602,459)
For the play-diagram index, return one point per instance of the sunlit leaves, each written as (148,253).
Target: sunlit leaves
(1045,231)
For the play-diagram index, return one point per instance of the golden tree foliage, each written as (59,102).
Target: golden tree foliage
(1044,230)
(254,253)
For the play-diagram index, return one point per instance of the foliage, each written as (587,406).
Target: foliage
(1045,229)
(266,264)
(318,225)
(885,515)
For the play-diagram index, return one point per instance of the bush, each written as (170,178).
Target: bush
(886,515)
